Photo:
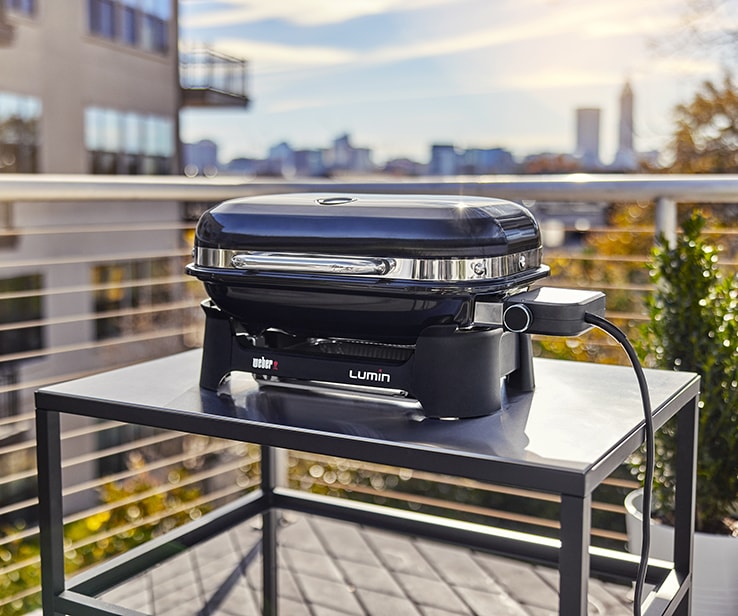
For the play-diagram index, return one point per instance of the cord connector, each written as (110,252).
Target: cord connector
(548,310)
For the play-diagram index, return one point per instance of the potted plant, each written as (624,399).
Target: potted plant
(693,326)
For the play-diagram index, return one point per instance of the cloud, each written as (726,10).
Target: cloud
(538,81)
(687,66)
(301,12)
(551,37)
(561,78)
(649,25)
(445,33)
(268,58)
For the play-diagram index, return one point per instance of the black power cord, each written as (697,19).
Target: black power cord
(622,339)
(553,311)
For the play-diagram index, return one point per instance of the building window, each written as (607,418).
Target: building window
(19,133)
(128,143)
(21,307)
(102,18)
(24,7)
(143,24)
(20,332)
(125,294)
(130,26)
(154,37)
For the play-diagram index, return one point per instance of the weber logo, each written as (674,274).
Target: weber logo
(262,363)
(365,375)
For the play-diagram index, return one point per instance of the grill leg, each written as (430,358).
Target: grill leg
(522,379)
(217,344)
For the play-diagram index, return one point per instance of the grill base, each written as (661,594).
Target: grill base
(452,372)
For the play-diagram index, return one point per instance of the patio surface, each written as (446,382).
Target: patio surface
(330,568)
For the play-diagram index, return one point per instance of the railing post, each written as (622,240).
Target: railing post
(281,468)
(666,219)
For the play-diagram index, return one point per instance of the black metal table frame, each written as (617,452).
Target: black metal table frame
(571,553)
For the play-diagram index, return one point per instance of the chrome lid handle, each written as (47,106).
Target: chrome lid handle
(310,264)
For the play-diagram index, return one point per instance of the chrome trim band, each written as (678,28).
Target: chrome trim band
(383,268)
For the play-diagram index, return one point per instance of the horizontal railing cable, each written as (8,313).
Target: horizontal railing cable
(188,480)
(100,344)
(468,508)
(95,287)
(155,465)
(152,309)
(148,227)
(451,481)
(577,187)
(92,428)
(470,484)
(139,496)
(13,419)
(212,497)
(78,259)
(63,377)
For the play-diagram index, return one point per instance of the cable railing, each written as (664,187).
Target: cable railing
(91,278)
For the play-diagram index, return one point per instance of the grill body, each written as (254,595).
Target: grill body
(368,291)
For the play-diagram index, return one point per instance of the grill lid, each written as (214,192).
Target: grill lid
(376,226)
(384,237)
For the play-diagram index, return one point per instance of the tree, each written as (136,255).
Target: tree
(706,134)
(706,29)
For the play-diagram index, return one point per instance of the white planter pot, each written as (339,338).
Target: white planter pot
(715,564)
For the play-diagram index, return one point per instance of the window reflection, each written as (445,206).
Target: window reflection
(138,23)
(128,143)
(19,133)
(128,292)
(24,7)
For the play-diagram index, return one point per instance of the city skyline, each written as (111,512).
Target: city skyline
(400,76)
(203,157)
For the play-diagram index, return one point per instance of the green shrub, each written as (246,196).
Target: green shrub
(694,327)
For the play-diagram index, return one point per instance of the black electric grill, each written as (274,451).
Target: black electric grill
(399,293)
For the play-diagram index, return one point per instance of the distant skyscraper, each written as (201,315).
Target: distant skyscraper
(625,159)
(342,156)
(444,160)
(588,137)
(200,157)
(281,160)
(342,152)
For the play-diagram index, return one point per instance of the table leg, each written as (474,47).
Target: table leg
(50,511)
(687,426)
(269,533)
(576,516)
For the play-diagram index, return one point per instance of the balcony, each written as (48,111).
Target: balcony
(91,279)
(212,79)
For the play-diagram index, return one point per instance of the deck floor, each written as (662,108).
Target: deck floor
(330,568)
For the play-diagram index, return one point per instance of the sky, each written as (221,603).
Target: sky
(400,75)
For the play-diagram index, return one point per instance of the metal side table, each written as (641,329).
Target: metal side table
(579,425)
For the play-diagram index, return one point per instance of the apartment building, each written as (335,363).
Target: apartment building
(86,86)
(93,86)
(90,87)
